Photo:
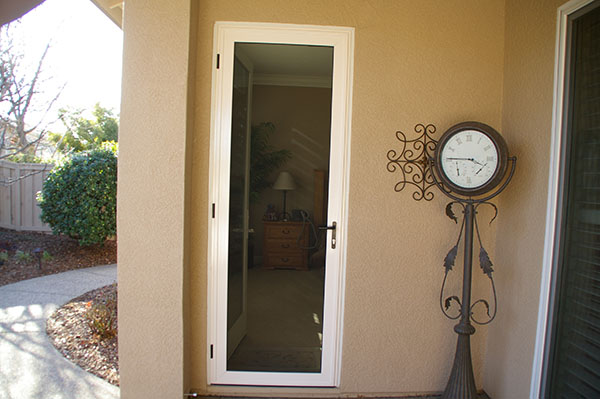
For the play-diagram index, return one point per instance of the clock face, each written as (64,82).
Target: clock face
(471,158)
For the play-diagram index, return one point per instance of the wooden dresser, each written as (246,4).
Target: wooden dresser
(284,245)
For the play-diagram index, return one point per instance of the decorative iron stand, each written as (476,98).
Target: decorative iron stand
(461,384)
(415,162)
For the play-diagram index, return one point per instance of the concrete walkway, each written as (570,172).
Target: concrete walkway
(30,366)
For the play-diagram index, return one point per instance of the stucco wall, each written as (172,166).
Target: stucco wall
(429,62)
(151,194)
(527,123)
(415,62)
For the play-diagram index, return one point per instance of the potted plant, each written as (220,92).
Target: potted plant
(264,159)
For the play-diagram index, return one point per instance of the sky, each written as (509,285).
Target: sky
(85,54)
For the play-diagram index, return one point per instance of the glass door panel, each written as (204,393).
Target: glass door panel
(238,208)
(282,275)
(574,366)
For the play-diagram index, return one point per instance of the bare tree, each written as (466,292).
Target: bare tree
(24,104)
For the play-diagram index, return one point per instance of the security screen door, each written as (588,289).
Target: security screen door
(277,324)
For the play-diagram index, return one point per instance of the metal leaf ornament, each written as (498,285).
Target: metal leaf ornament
(448,301)
(450,213)
(485,263)
(450,258)
(487,307)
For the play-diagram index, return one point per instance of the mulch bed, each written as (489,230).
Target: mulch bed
(65,254)
(70,332)
(68,327)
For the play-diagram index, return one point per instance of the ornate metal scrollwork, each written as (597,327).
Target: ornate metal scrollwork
(412,161)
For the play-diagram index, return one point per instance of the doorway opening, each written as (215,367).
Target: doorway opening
(280,181)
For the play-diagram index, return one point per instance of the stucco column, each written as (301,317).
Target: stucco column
(152,141)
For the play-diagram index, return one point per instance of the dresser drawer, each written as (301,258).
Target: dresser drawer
(283,260)
(289,231)
(283,245)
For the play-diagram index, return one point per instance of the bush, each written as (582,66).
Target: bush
(101,314)
(79,197)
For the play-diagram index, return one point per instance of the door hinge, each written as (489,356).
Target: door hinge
(213,210)
(218,61)
(211,351)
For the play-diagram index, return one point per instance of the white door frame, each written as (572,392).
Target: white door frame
(554,186)
(225,36)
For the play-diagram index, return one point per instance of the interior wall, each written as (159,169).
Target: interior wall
(415,62)
(302,119)
(527,127)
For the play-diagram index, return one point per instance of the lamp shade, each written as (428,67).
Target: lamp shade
(285,182)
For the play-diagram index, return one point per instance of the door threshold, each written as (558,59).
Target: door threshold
(481,395)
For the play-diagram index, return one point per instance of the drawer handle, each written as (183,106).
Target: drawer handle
(285,245)
(286,231)
(285,260)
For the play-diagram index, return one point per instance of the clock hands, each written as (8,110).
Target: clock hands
(460,159)
(464,159)
(480,169)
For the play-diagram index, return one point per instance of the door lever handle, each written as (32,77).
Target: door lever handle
(333,229)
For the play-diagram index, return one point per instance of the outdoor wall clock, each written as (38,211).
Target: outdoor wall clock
(470,165)
(471,158)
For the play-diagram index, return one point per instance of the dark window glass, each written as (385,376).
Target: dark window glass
(574,365)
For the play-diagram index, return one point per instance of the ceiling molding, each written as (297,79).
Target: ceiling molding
(292,80)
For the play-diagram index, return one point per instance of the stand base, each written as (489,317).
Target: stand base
(461,384)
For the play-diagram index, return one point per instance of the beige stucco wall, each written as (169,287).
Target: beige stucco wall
(151,194)
(415,62)
(527,123)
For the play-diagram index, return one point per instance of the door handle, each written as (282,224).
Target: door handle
(333,229)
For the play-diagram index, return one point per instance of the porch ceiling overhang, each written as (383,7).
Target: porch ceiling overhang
(11,9)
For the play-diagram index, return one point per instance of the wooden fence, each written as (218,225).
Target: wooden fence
(19,185)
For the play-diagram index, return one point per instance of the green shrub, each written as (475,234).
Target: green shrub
(46,256)
(3,256)
(79,197)
(22,257)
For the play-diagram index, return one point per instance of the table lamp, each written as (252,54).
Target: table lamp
(284,182)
